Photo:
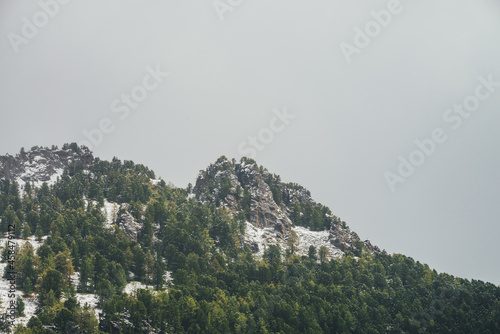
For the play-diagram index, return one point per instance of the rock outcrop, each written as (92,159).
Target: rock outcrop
(127,223)
(253,194)
(42,164)
(241,187)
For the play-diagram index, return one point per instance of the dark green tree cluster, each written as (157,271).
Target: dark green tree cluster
(375,294)
(315,217)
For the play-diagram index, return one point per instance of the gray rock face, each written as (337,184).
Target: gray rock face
(127,223)
(224,183)
(264,210)
(342,238)
(42,164)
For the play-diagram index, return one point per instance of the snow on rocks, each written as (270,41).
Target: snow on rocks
(259,239)
(75,279)
(34,170)
(168,277)
(42,164)
(109,210)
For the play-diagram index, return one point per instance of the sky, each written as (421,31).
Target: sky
(387,111)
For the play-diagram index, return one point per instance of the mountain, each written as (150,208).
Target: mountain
(94,246)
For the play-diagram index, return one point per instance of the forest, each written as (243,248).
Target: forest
(216,284)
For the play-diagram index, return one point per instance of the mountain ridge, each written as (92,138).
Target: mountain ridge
(248,190)
(105,246)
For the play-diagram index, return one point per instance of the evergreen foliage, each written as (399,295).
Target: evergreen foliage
(218,285)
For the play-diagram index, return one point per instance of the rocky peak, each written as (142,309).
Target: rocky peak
(254,194)
(43,164)
(241,187)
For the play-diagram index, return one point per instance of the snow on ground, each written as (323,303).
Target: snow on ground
(110,211)
(85,298)
(21,242)
(132,287)
(317,239)
(30,302)
(155,182)
(89,299)
(263,237)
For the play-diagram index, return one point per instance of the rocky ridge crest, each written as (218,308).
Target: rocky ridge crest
(43,164)
(252,193)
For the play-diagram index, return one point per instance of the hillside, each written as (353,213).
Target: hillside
(104,246)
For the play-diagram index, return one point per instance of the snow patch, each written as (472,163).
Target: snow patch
(168,277)
(30,302)
(132,287)
(34,170)
(155,182)
(110,211)
(317,239)
(264,237)
(89,299)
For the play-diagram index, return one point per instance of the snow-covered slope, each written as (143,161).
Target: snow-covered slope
(259,239)
(30,302)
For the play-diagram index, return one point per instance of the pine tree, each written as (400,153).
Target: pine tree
(64,265)
(149,265)
(312,253)
(20,306)
(38,233)
(292,241)
(158,274)
(86,275)
(139,262)
(17,227)
(8,219)
(27,286)
(323,254)
(26,231)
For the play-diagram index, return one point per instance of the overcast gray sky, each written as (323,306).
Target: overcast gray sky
(360,82)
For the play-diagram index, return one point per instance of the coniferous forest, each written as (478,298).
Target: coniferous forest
(203,278)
